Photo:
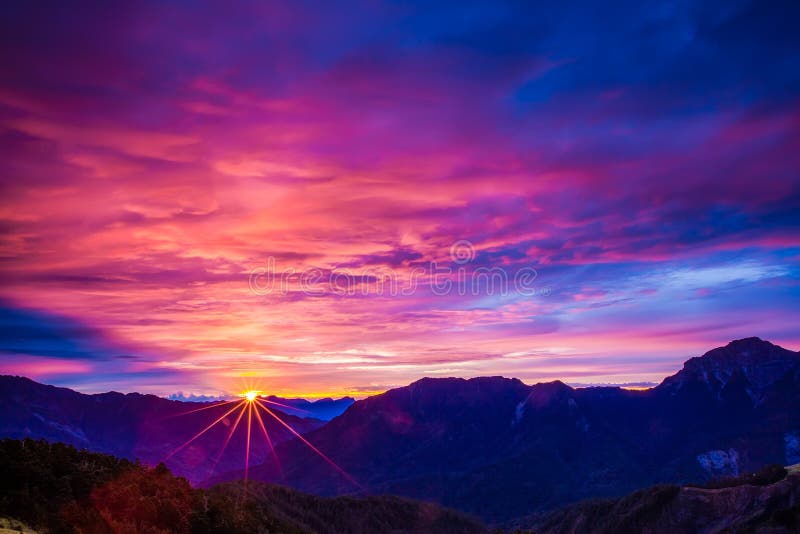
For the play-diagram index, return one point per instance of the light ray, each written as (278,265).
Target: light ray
(269,441)
(284,405)
(227,439)
(216,404)
(247,446)
(316,450)
(206,429)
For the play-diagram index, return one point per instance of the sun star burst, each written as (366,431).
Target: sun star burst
(251,405)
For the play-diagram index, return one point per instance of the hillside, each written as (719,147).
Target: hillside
(133,426)
(57,488)
(740,506)
(490,446)
(498,448)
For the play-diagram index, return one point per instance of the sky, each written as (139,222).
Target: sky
(330,198)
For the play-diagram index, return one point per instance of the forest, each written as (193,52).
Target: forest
(57,488)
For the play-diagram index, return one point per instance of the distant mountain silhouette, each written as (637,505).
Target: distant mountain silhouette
(133,426)
(499,448)
(324,409)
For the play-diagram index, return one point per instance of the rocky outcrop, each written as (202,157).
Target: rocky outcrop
(772,508)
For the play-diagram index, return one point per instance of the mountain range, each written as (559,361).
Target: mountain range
(132,425)
(498,448)
(324,409)
(491,446)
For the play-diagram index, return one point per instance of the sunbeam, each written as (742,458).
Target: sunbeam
(215,405)
(251,404)
(304,440)
(218,457)
(206,429)
(284,405)
(247,446)
(269,442)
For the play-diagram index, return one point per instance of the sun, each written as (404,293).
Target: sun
(249,406)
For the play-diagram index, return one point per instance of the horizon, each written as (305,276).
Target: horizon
(542,257)
(327,201)
(223,396)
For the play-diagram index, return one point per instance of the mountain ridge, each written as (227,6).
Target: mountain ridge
(462,442)
(773,506)
(719,365)
(494,446)
(129,425)
(325,409)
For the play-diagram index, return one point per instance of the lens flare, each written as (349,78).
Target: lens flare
(227,439)
(206,429)
(312,447)
(253,406)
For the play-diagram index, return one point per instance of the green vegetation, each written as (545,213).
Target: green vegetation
(56,488)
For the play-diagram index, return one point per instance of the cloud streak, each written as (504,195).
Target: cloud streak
(642,160)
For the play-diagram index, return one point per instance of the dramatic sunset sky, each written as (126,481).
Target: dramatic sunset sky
(643,161)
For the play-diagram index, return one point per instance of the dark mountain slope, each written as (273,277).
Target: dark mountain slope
(771,507)
(324,409)
(491,446)
(131,426)
(499,448)
(57,488)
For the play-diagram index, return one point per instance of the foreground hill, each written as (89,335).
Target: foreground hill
(498,448)
(56,488)
(132,426)
(747,504)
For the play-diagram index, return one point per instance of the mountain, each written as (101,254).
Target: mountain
(499,449)
(492,446)
(56,488)
(134,426)
(743,506)
(324,409)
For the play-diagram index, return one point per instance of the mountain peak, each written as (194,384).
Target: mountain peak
(749,343)
(757,361)
(743,352)
(454,382)
(546,393)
